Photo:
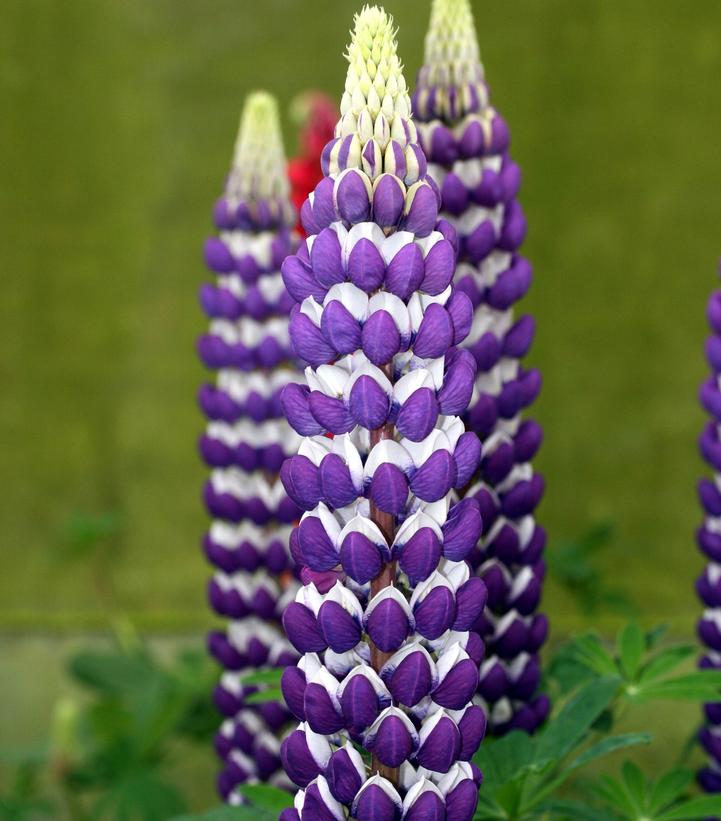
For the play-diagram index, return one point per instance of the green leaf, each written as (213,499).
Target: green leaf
(591,652)
(668,788)
(112,672)
(266,797)
(665,661)
(501,760)
(635,783)
(572,724)
(631,647)
(607,746)
(272,675)
(139,796)
(263,696)
(702,685)
(695,808)
(614,794)
(655,634)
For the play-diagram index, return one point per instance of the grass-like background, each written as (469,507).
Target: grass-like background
(116,127)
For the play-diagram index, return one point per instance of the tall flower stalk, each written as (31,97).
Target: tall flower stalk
(246,441)
(466,142)
(708,536)
(385,686)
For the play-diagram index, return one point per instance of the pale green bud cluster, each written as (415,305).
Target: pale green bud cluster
(259,165)
(452,56)
(375,79)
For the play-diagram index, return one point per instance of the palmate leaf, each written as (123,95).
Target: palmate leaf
(575,719)
(701,685)
(693,809)
(503,759)
(631,647)
(607,746)
(665,661)
(668,788)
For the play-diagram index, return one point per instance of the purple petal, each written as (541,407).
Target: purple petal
(458,687)
(435,613)
(439,752)
(405,271)
(325,258)
(299,280)
(467,455)
(360,558)
(317,550)
(368,402)
(470,601)
(321,715)
(420,555)
(301,481)
(340,630)
(351,197)
(435,477)
(336,482)
(418,415)
(440,264)
(388,625)
(359,703)
(462,530)
(365,265)
(331,412)
(298,762)
(344,779)
(435,334)
(217,256)
(393,743)
(411,681)
(340,328)
(381,338)
(302,629)
(308,341)
(388,200)
(389,488)
(292,684)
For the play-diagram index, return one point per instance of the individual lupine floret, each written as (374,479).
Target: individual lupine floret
(708,537)
(246,441)
(386,687)
(466,142)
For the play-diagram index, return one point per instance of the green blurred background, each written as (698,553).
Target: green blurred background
(118,120)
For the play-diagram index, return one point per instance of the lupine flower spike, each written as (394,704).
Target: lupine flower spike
(466,142)
(709,540)
(247,439)
(385,688)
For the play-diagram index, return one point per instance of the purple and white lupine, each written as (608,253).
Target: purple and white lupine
(708,536)
(466,142)
(246,441)
(385,690)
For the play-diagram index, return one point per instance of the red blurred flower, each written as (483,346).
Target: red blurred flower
(316,115)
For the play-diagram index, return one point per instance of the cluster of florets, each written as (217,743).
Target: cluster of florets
(386,684)
(245,443)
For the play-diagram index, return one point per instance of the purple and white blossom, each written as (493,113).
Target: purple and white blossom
(385,691)
(466,141)
(246,441)
(708,537)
